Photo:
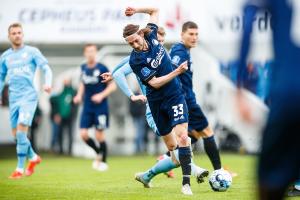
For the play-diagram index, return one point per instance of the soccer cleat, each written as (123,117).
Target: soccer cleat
(293,193)
(169,174)
(32,164)
(102,167)
(16,175)
(186,189)
(139,177)
(201,174)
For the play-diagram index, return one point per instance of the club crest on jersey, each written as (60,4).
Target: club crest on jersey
(96,72)
(175,60)
(145,71)
(155,42)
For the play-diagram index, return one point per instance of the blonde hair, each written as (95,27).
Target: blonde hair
(14,25)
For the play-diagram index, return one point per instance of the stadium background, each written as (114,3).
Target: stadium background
(61,28)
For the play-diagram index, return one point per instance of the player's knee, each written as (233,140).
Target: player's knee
(183,139)
(172,146)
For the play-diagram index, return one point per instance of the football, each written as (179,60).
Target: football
(220,180)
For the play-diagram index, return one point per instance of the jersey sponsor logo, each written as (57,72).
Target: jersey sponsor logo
(20,70)
(145,71)
(148,60)
(175,60)
(157,61)
(155,42)
(96,72)
(89,79)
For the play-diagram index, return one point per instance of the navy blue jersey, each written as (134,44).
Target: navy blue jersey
(179,54)
(154,62)
(285,81)
(91,79)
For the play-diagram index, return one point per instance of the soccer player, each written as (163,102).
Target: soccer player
(279,162)
(165,163)
(95,111)
(20,63)
(151,63)
(198,124)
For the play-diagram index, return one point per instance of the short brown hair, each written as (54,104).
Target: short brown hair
(187,25)
(161,31)
(14,25)
(89,45)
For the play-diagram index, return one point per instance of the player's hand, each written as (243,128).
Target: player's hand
(97,98)
(47,88)
(135,98)
(107,77)
(130,11)
(77,99)
(243,106)
(182,68)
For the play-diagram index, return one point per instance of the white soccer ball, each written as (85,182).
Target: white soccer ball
(220,180)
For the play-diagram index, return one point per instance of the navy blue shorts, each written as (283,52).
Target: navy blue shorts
(169,112)
(197,119)
(279,161)
(91,118)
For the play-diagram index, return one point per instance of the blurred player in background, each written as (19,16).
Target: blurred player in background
(279,160)
(198,124)
(95,111)
(20,63)
(151,63)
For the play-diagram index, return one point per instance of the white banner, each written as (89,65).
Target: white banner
(102,21)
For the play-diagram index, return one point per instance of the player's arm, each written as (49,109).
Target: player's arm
(48,78)
(250,11)
(78,97)
(3,72)
(98,98)
(42,62)
(153,12)
(157,82)
(119,75)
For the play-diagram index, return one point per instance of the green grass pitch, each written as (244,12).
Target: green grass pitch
(73,178)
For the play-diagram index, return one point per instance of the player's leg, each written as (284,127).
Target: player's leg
(153,126)
(88,140)
(28,111)
(161,166)
(86,122)
(198,127)
(102,123)
(102,155)
(185,155)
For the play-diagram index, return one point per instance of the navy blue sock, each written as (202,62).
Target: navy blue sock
(185,162)
(212,151)
(103,150)
(92,144)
